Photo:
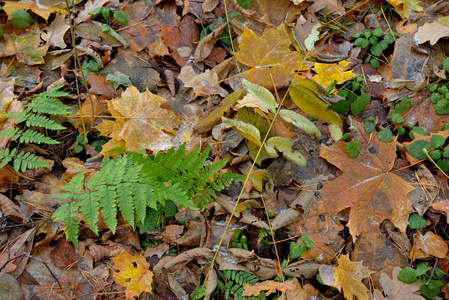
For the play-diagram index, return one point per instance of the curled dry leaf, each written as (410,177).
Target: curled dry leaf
(427,245)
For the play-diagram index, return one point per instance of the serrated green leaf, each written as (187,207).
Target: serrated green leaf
(248,131)
(262,94)
(300,121)
(311,104)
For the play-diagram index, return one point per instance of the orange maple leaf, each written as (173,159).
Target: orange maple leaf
(269,54)
(134,274)
(367,186)
(348,276)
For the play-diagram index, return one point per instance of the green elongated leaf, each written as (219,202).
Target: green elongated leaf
(262,94)
(311,104)
(215,117)
(415,149)
(300,121)
(248,131)
(284,145)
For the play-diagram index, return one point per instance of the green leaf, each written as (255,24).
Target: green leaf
(353,149)
(105,27)
(375,63)
(433,87)
(415,149)
(105,12)
(435,97)
(248,131)
(429,291)
(389,38)
(246,4)
(415,221)
(307,241)
(118,78)
(121,17)
(295,251)
(385,135)
(442,107)
(369,127)
(308,101)
(95,11)
(284,145)
(446,64)
(360,103)
(407,275)
(21,18)
(378,32)
(300,121)
(376,50)
(443,164)
(437,141)
(264,96)
(435,154)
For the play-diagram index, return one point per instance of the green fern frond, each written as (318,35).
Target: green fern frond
(6,156)
(13,133)
(31,136)
(26,160)
(129,184)
(18,116)
(44,122)
(67,213)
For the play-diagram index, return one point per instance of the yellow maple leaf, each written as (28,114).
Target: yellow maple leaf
(133,273)
(269,54)
(140,123)
(327,73)
(348,276)
(406,8)
(43,8)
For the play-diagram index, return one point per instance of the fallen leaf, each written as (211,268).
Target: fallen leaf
(395,289)
(269,286)
(140,122)
(348,276)
(204,84)
(134,274)
(406,8)
(419,139)
(54,34)
(64,255)
(427,245)
(36,7)
(367,186)
(27,47)
(327,73)
(269,55)
(432,32)
(306,292)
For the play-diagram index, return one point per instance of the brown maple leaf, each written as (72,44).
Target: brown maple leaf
(367,186)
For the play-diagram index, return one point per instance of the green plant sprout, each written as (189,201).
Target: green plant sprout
(430,287)
(106,12)
(377,41)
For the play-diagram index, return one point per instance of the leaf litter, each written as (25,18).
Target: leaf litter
(256,83)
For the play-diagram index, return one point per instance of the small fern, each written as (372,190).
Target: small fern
(33,116)
(134,182)
(235,283)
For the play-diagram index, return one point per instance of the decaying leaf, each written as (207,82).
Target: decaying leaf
(367,186)
(204,84)
(133,273)
(395,289)
(427,245)
(432,32)
(348,276)
(140,122)
(406,8)
(269,286)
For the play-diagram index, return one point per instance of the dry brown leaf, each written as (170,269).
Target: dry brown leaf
(54,34)
(367,186)
(204,84)
(395,289)
(428,245)
(306,292)
(269,286)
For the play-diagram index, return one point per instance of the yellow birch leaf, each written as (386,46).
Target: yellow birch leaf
(327,73)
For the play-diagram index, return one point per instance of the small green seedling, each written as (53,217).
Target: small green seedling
(106,12)
(431,281)
(377,42)
(416,222)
